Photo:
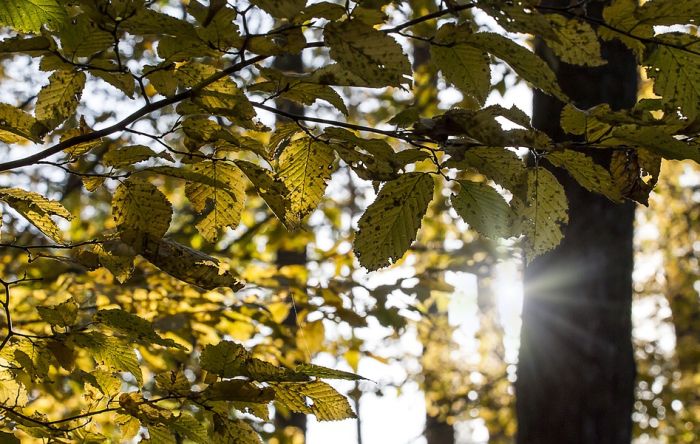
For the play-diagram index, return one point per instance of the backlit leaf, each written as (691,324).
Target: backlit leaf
(484,209)
(59,99)
(305,167)
(463,65)
(140,208)
(367,52)
(31,15)
(391,222)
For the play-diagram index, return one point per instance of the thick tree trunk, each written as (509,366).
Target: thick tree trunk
(576,368)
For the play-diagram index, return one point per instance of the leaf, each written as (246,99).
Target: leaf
(302,92)
(189,427)
(545,213)
(273,191)
(573,120)
(327,373)
(37,210)
(669,12)
(676,72)
(31,15)
(135,327)
(463,65)
(524,62)
(140,208)
(484,209)
(391,222)
(576,42)
(323,400)
(61,315)
(226,202)
(225,359)
(18,126)
(238,390)
(83,38)
(188,265)
(283,9)
(656,140)
(60,98)
(628,172)
(129,155)
(234,431)
(370,54)
(111,352)
(305,167)
(502,166)
(587,173)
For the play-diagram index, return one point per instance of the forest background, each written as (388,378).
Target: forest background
(196,198)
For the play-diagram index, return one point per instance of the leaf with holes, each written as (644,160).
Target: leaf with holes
(305,167)
(140,208)
(544,214)
(391,222)
(58,100)
(484,209)
(368,53)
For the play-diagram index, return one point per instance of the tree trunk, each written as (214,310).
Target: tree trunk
(576,369)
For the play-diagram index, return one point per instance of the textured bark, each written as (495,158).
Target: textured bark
(576,368)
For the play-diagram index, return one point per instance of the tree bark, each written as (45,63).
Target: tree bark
(576,369)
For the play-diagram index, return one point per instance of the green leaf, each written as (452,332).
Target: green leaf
(463,65)
(225,359)
(83,38)
(301,92)
(61,315)
(273,191)
(188,265)
(326,373)
(234,431)
(576,42)
(135,327)
(111,352)
(669,12)
(587,173)
(545,213)
(484,209)
(129,155)
(31,15)
(324,401)
(18,126)
(37,210)
(676,72)
(573,120)
(60,98)
(140,208)
(283,9)
(189,427)
(305,167)
(226,203)
(502,166)
(370,54)
(238,390)
(391,222)
(524,62)
(656,140)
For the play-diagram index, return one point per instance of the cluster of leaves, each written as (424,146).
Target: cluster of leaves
(196,81)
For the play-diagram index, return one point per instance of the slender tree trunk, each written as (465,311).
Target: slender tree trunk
(576,368)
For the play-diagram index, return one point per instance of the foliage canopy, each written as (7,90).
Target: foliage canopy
(161,186)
